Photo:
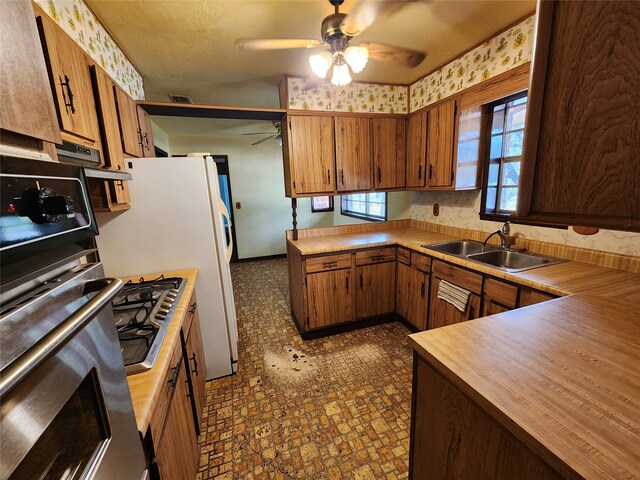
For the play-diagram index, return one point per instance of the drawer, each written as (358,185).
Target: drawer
(165,393)
(458,276)
(529,296)
(367,257)
(421,262)
(404,255)
(328,262)
(501,292)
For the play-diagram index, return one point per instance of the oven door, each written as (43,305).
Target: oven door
(66,409)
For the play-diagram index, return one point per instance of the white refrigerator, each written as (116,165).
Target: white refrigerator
(176,221)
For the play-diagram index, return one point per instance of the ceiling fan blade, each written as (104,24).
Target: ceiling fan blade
(262,140)
(275,43)
(366,12)
(389,53)
(259,133)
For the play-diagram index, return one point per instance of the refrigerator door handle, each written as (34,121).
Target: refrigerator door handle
(225,214)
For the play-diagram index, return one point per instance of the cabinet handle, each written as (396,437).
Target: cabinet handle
(175,371)
(430,171)
(471,312)
(379,175)
(329,264)
(361,286)
(422,290)
(140,140)
(121,184)
(419,171)
(377,257)
(195,364)
(68,97)
(146,141)
(347,283)
(342,176)
(329,176)
(192,308)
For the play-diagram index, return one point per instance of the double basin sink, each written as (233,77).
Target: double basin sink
(507,260)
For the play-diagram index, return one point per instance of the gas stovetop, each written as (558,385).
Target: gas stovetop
(143,311)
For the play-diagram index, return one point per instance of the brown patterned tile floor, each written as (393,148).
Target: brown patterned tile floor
(332,408)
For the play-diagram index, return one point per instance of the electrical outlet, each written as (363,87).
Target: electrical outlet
(436,209)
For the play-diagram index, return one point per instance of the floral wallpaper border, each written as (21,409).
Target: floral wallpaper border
(77,20)
(354,97)
(501,53)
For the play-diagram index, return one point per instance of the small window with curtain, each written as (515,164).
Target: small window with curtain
(366,206)
(503,156)
(322,204)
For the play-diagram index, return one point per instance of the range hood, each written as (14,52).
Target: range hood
(89,159)
(104,174)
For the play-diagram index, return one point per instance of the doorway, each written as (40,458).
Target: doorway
(224,182)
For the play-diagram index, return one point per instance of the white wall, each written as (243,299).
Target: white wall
(257,182)
(160,138)
(461,209)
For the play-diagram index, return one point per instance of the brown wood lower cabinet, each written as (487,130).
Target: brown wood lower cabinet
(441,312)
(375,289)
(453,438)
(330,298)
(194,361)
(412,295)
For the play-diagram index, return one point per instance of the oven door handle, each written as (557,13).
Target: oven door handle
(15,372)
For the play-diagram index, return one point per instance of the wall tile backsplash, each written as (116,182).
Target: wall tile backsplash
(501,53)
(354,97)
(460,209)
(75,18)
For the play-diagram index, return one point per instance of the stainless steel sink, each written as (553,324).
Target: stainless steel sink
(507,260)
(460,248)
(513,261)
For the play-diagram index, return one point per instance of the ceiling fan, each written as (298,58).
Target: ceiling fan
(277,136)
(337,31)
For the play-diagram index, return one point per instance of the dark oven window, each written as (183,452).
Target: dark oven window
(72,441)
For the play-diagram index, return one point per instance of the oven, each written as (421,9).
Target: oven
(65,406)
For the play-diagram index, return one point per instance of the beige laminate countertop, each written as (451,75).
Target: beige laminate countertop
(561,279)
(145,386)
(562,376)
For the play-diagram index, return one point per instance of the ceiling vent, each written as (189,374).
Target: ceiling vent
(180,99)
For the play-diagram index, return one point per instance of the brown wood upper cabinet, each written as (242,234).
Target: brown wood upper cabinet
(582,143)
(25,92)
(440,137)
(353,153)
(416,150)
(103,86)
(146,133)
(130,132)
(388,152)
(71,84)
(309,155)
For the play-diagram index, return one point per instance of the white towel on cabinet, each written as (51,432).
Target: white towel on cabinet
(456,296)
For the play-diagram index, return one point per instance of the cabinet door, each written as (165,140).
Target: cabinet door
(25,92)
(581,145)
(119,190)
(353,153)
(130,132)
(416,149)
(440,144)
(330,298)
(177,450)
(103,86)
(529,296)
(442,313)
(71,82)
(146,133)
(375,289)
(489,307)
(195,364)
(311,154)
(412,296)
(388,152)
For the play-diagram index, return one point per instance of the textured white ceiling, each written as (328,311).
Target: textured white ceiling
(216,127)
(187,47)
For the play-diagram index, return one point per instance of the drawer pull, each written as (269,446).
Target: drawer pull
(175,371)
(329,264)
(377,257)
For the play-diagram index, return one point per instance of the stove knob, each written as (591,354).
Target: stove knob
(167,305)
(171,295)
(163,311)
(160,316)
(174,291)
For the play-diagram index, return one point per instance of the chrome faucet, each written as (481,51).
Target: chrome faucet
(505,237)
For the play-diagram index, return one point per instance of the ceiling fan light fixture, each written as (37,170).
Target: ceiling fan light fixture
(341,75)
(278,140)
(356,57)
(320,63)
